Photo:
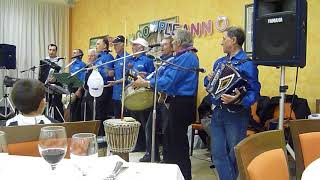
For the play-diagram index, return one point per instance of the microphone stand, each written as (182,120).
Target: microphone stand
(33,68)
(154,115)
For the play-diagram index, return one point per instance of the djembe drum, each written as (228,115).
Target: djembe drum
(121,135)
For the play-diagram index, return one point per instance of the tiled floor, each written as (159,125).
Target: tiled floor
(200,162)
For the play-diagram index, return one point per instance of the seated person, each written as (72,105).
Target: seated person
(28,96)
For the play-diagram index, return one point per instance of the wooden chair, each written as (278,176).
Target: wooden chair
(23,140)
(306,137)
(262,156)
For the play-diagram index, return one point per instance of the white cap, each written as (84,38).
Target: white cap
(95,84)
(140,41)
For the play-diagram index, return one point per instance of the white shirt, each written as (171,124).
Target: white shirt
(28,120)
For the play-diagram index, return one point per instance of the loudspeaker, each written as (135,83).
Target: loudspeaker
(7,56)
(279,32)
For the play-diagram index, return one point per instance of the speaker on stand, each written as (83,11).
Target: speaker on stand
(279,39)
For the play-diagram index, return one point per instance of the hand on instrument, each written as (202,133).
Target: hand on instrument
(210,76)
(230,99)
(111,83)
(140,82)
(78,93)
(142,74)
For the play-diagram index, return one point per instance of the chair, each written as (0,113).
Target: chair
(196,127)
(262,156)
(306,136)
(23,140)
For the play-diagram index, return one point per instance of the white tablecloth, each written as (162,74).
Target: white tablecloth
(24,167)
(312,172)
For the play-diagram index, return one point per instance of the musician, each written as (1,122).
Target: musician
(55,65)
(104,102)
(140,64)
(75,104)
(28,96)
(162,111)
(87,100)
(181,85)
(118,44)
(229,127)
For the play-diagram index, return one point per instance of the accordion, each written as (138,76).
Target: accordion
(225,80)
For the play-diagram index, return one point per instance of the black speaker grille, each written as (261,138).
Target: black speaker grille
(276,36)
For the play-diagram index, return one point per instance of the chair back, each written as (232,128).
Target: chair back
(305,136)
(262,156)
(23,140)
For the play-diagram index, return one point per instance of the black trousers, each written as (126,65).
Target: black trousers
(182,112)
(55,103)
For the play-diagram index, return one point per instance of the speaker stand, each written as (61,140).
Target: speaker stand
(283,89)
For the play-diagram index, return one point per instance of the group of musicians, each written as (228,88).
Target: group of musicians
(179,85)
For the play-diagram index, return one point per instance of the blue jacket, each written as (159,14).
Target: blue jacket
(179,82)
(118,68)
(104,57)
(77,65)
(142,64)
(248,71)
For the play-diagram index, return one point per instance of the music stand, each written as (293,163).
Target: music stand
(68,81)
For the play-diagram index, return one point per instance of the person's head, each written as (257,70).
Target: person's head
(77,52)
(28,96)
(91,55)
(182,39)
(118,44)
(166,46)
(52,50)
(102,45)
(139,44)
(233,39)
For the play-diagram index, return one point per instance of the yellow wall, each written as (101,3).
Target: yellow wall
(90,18)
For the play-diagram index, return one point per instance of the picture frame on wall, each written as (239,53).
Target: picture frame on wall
(248,28)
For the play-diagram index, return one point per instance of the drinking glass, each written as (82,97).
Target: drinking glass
(53,144)
(3,144)
(83,151)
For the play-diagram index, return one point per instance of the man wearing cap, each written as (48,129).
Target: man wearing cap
(118,44)
(104,102)
(181,85)
(140,64)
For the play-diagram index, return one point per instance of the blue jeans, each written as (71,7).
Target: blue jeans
(227,129)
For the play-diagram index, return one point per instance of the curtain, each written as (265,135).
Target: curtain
(31,25)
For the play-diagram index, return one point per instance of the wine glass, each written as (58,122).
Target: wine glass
(3,144)
(53,144)
(84,151)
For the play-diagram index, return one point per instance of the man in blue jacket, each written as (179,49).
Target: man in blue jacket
(181,85)
(229,126)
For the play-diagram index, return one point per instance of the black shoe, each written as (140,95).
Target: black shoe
(145,158)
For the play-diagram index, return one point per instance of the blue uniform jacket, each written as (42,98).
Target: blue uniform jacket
(118,68)
(248,71)
(77,65)
(104,57)
(178,82)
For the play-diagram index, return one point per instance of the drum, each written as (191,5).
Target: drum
(138,99)
(121,135)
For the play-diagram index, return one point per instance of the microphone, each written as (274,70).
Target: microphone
(202,70)
(154,45)
(60,58)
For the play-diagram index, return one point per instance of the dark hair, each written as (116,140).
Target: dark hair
(53,45)
(27,94)
(238,33)
(106,42)
(81,53)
